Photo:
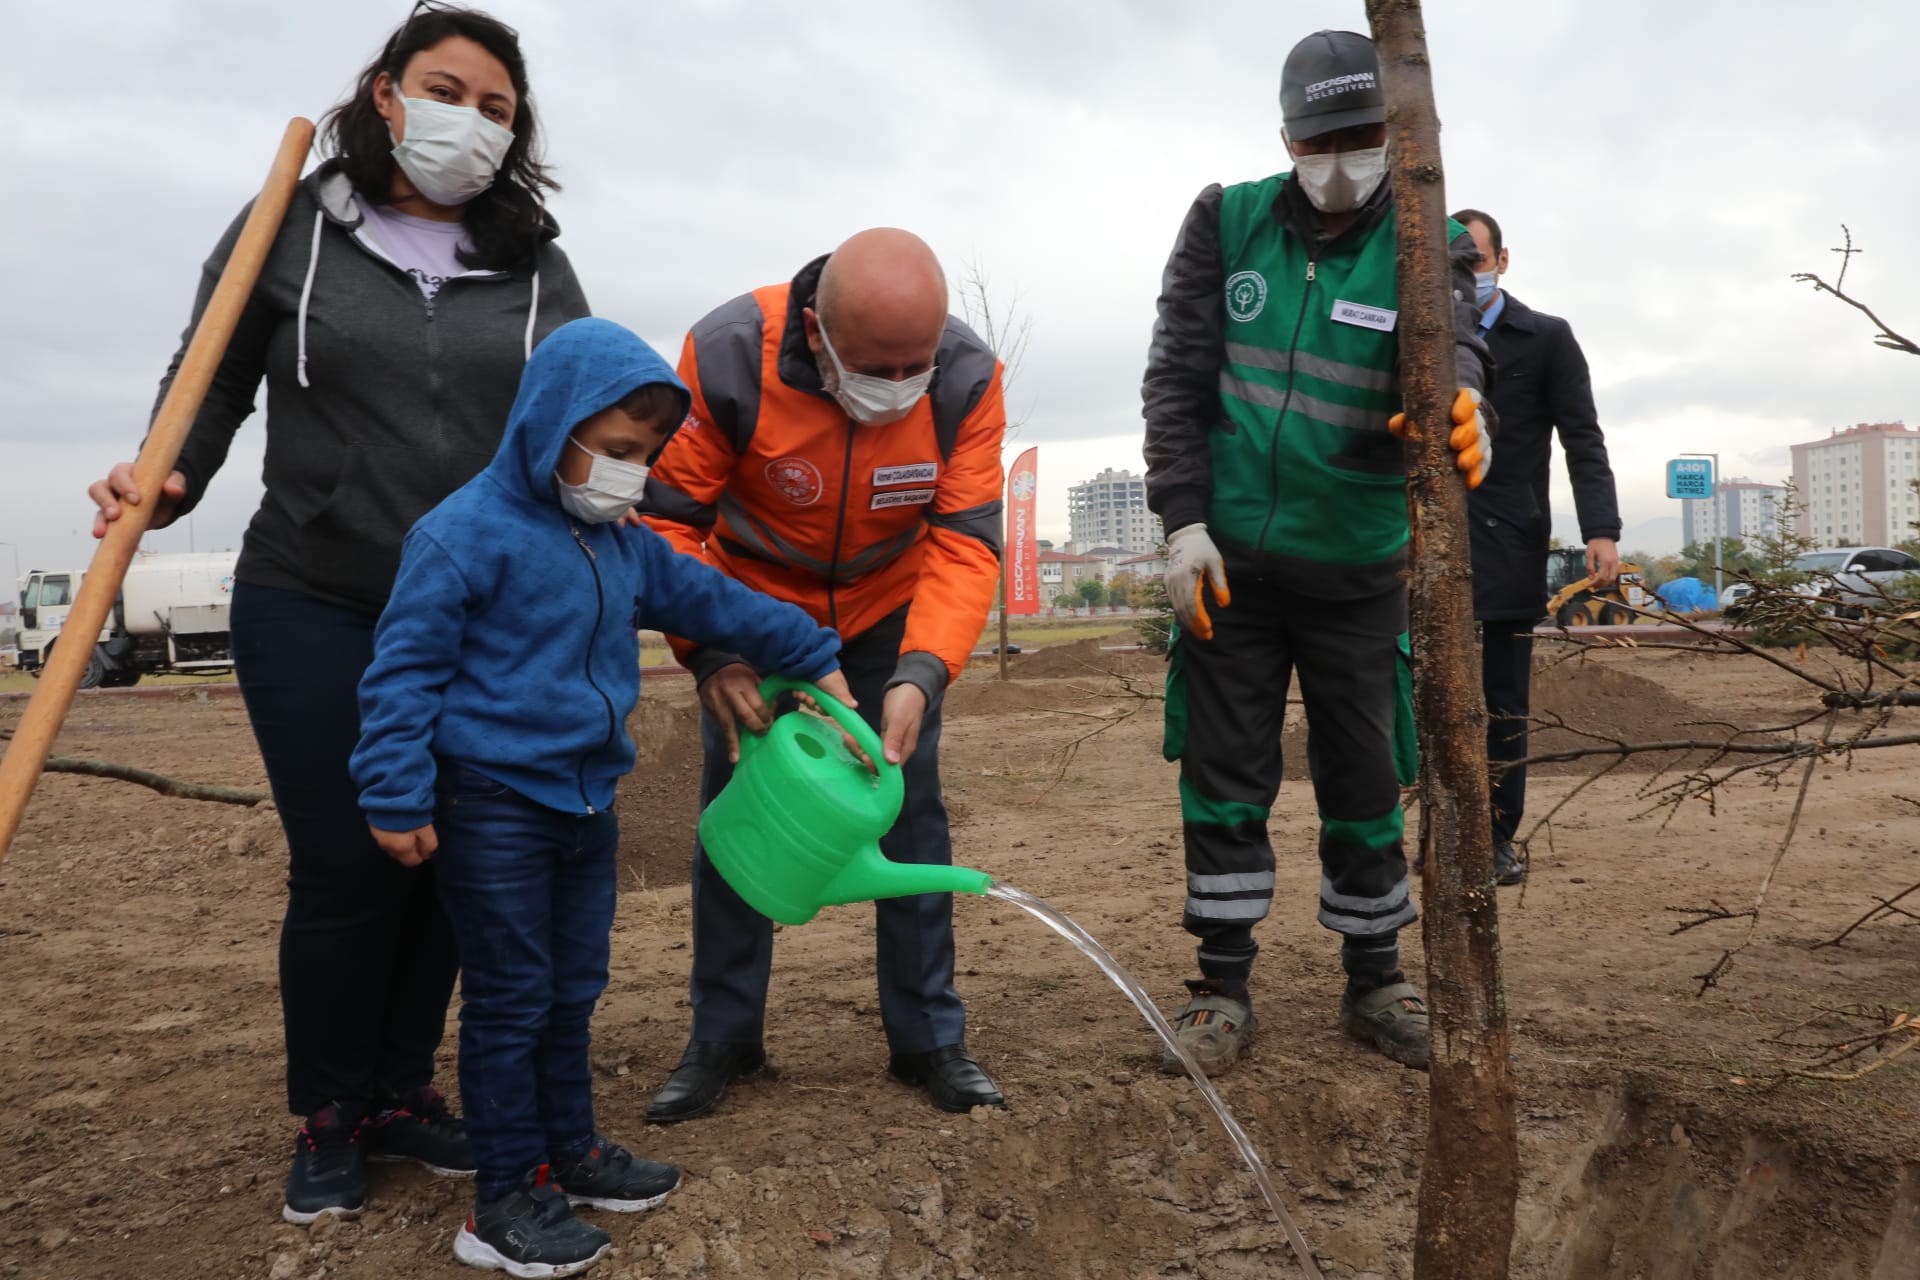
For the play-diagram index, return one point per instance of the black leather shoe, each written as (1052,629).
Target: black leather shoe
(950,1076)
(700,1081)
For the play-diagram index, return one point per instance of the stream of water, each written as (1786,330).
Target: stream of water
(1064,925)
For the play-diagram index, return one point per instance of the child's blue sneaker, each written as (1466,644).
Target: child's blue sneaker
(609,1176)
(530,1233)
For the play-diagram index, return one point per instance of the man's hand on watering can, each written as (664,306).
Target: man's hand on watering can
(408,848)
(900,717)
(731,696)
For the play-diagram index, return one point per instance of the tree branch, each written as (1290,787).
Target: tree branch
(157,781)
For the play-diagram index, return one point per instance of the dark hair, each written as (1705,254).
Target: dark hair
(654,402)
(504,222)
(1464,216)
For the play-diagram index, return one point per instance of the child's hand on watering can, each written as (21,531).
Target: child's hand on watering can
(834,685)
(408,848)
(731,696)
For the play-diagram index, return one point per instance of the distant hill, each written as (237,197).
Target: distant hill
(1657,537)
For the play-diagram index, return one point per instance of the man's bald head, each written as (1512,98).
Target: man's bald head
(883,300)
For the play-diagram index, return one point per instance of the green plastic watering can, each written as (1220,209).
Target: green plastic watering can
(799,826)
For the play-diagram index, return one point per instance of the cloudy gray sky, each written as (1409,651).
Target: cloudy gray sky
(1660,168)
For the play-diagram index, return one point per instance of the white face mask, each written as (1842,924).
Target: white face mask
(871,401)
(1341,181)
(1485,285)
(611,489)
(450,153)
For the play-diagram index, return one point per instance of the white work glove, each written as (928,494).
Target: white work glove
(1193,561)
(1470,441)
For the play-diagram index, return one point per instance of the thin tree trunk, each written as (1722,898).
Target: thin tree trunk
(1470,1176)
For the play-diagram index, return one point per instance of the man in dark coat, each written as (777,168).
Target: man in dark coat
(1542,387)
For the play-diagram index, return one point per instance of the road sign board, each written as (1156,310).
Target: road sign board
(1690,478)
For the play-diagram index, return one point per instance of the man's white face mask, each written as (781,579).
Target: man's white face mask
(1341,181)
(871,401)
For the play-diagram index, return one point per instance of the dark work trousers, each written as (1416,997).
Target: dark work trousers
(1506,674)
(366,958)
(530,892)
(1226,700)
(733,943)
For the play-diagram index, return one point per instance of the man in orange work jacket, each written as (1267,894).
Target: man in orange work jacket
(843,454)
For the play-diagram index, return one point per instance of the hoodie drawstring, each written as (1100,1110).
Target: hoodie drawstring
(533,312)
(306,292)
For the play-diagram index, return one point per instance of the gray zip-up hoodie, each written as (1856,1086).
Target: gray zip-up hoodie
(379,402)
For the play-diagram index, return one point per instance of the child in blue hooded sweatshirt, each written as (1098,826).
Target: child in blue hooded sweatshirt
(492,733)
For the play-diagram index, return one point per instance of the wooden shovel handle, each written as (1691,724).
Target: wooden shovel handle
(47,709)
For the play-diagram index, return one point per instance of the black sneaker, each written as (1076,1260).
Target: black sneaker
(420,1127)
(611,1177)
(329,1168)
(530,1232)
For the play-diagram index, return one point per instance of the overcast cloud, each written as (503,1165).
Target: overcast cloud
(1660,170)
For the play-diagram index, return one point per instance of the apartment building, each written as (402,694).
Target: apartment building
(1855,486)
(1740,508)
(1110,510)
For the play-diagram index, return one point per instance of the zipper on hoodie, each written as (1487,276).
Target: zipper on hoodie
(1273,449)
(839,528)
(599,609)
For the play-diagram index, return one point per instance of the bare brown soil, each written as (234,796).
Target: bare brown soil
(140,1098)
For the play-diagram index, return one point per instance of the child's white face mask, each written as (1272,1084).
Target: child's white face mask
(612,488)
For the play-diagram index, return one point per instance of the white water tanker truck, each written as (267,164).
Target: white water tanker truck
(170,616)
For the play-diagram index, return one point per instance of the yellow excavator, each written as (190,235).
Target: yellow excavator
(1572,601)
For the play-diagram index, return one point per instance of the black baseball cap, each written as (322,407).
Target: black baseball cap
(1331,81)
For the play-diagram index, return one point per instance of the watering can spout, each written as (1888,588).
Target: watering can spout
(870,874)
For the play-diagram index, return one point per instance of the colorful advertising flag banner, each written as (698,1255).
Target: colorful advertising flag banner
(1023,562)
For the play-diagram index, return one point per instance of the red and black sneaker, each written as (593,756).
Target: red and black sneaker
(609,1176)
(530,1233)
(419,1126)
(329,1168)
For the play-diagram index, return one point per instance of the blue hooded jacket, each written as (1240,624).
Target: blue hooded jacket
(509,642)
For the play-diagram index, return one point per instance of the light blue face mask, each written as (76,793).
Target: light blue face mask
(1485,285)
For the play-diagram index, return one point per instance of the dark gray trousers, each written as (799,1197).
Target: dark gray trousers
(1226,702)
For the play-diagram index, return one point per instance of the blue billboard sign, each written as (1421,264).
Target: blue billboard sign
(1690,478)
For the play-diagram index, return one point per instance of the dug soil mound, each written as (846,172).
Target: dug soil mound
(1076,658)
(1595,700)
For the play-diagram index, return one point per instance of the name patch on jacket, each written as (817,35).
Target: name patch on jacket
(900,498)
(1366,317)
(911,473)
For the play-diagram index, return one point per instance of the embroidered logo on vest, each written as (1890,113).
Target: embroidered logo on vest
(1246,295)
(797,480)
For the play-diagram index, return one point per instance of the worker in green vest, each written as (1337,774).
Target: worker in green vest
(1269,393)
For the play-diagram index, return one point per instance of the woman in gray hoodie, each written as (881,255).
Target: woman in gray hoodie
(414,274)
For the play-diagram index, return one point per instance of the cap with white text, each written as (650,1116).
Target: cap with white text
(1331,81)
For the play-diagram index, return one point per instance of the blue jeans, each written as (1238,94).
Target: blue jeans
(366,958)
(913,936)
(530,893)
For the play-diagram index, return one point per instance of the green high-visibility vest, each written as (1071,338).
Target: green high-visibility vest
(1303,463)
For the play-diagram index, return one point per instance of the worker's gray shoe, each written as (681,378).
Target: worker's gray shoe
(1214,1027)
(1392,1019)
(1508,867)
